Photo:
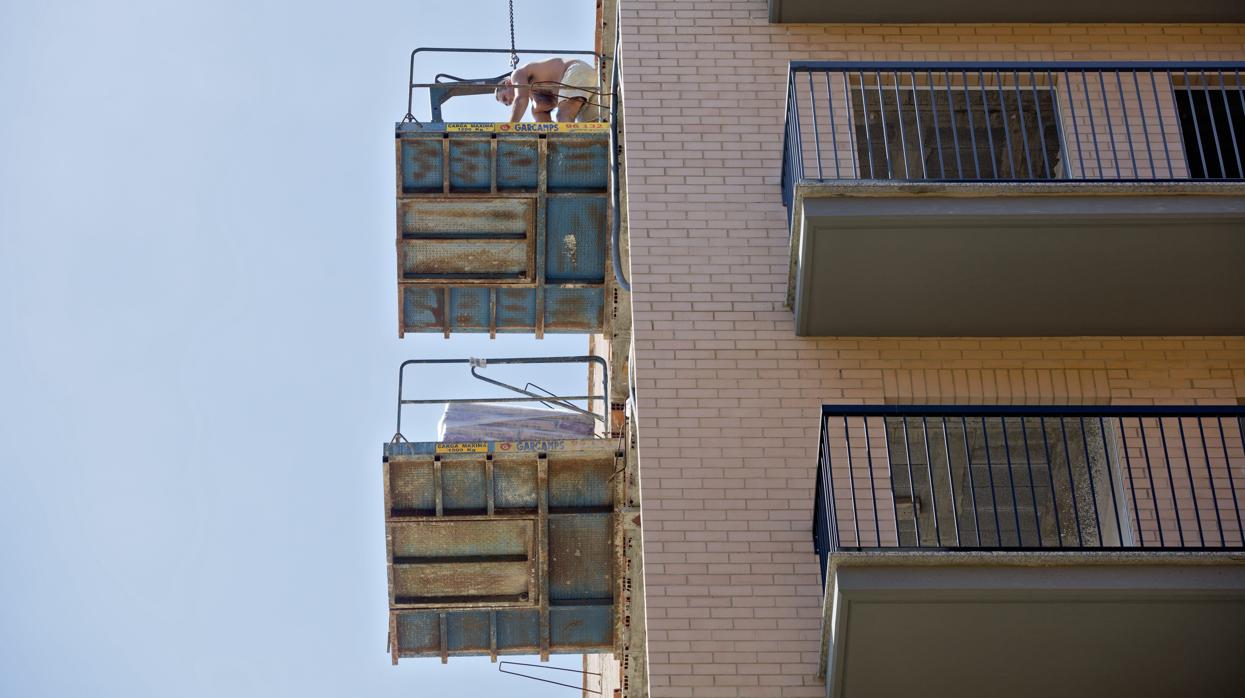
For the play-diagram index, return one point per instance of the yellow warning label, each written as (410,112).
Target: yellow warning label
(525,127)
(471,127)
(464,447)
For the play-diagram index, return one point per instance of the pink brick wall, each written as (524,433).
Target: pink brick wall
(729,396)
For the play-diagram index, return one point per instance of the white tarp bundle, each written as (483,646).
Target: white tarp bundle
(489,422)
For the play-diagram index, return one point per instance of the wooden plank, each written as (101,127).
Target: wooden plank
(542,549)
(436,482)
(542,192)
(445,640)
(445,164)
(488,483)
(482,578)
(492,163)
(492,636)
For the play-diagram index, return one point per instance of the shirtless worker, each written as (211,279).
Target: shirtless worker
(568,86)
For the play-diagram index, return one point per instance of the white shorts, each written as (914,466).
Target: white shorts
(580,82)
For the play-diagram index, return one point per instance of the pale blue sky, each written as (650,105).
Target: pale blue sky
(198,340)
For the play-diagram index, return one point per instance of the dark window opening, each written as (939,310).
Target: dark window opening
(956,133)
(1212,126)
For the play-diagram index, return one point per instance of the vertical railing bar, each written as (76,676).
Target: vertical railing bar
(994,502)
(1037,106)
(1236,148)
(1093,127)
(1197,134)
(851,481)
(1076,126)
(903,139)
(994,158)
(1132,483)
(1106,109)
(1011,479)
(834,510)
(1024,126)
(890,471)
(1210,477)
(1145,128)
(1171,481)
(1223,440)
(1154,497)
(1089,470)
(877,525)
(1037,522)
(886,143)
(972,487)
(1106,452)
(1240,96)
(812,100)
(1050,477)
(1007,136)
(972,128)
(916,117)
(1197,510)
(933,105)
(864,101)
(1067,458)
(799,132)
(929,468)
(834,139)
(946,449)
(851,131)
(907,450)
(1128,130)
(1154,91)
(1214,129)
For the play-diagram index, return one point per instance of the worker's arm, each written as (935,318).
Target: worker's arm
(520,80)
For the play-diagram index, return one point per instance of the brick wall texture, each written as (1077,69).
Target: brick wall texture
(729,396)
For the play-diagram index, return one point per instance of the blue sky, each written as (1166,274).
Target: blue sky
(198,342)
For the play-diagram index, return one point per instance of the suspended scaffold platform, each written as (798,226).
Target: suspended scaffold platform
(502,227)
(503,547)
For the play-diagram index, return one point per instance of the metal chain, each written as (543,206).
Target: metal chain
(514,56)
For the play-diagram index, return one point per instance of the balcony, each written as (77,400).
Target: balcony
(1013,199)
(912,11)
(1040,550)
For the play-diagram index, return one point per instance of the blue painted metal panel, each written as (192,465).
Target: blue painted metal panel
(514,224)
(459,569)
(567,309)
(575,245)
(517,630)
(581,626)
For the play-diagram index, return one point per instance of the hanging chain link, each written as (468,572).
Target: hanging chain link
(514,56)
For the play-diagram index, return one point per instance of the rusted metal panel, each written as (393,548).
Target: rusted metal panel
(499,548)
(524,215)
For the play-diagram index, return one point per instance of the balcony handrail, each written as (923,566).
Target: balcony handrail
(1029,478)
(1034,410)
(803,66)
(1013,121)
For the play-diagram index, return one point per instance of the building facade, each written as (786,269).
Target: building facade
(819,335)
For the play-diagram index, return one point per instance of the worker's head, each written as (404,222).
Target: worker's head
(505,92)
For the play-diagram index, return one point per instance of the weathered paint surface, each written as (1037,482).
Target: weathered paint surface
(507,548)
(502,232)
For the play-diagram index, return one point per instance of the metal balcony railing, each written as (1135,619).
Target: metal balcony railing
(1029,478)
(1013,122)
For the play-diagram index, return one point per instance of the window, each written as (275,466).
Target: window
(1013,483)
(981,132)
(1212,126)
